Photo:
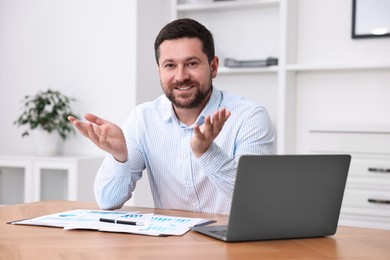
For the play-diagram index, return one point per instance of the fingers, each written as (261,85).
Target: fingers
(212,126)
(90,117)
(72,119)
(94,119)
(103,136)
(205,134)
(82,128)
(198,134)
(79,125)
(87,129)
(208,128)
(91,133)
(219,119)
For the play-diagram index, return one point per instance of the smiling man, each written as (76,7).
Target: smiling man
(189,139)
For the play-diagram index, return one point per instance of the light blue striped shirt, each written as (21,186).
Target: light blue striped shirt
(158,141)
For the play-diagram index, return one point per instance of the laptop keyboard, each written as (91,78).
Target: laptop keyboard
(222,233)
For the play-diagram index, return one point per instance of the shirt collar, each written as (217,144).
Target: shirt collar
(211,106)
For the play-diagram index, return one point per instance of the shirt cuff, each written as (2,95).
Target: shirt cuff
(119,168)
(212,160)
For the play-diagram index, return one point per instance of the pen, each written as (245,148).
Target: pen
(379,201)
(125,222)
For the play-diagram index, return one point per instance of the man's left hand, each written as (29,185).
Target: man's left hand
(205,134)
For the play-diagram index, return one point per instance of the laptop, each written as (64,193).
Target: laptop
(284,197)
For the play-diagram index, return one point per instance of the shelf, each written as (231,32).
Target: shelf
(226,70)
(352,129)
(12,183)
(226,5)
(346,66)
(34,178)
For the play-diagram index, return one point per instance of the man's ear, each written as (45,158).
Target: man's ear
(214,66)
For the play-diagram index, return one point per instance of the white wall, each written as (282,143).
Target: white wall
(324,35)
(85,48)
(98,51)
(338,99)
(152,16)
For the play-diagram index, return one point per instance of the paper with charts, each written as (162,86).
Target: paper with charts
(147,223)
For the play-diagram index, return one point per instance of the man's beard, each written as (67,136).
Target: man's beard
(190,101)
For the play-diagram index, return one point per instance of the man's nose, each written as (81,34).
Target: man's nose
(181,74)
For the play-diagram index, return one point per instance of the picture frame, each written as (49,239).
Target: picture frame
(370,18)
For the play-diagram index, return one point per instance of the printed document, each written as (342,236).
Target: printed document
(135,222)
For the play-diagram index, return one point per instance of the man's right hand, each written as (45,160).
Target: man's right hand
(106,135)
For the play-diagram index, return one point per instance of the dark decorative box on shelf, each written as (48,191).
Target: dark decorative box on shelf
(233,63)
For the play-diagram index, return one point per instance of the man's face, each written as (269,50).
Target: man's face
(185,72)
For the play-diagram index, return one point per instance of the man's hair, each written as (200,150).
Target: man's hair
(186,28)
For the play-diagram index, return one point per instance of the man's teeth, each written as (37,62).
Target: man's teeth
(184,88)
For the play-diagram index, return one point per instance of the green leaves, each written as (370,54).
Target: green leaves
(48,110)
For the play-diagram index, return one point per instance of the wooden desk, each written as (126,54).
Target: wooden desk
(31,242)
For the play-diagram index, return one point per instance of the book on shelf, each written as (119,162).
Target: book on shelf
(234,63)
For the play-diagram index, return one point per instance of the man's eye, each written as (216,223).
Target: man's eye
(169,66)
(192,64)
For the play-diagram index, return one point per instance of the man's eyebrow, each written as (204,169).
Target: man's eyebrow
(192,58)
(167,60)
(185,59)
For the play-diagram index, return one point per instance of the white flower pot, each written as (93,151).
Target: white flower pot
(45,143)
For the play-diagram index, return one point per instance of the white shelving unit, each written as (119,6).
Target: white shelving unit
(342,105)
(367,196)
(27,179)
(336,67)
(324,82)
(15,181)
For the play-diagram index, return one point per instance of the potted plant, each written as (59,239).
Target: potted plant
(47,112)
